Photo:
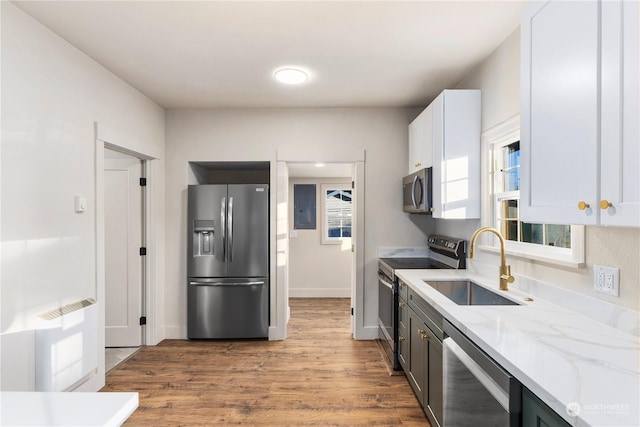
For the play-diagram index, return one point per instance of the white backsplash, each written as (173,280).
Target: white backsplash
(605,312)
(403,252)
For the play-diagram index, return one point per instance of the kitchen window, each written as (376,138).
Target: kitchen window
(337,213)
(506,184)
(556,243)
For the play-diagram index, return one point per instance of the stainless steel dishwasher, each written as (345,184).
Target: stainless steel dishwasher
(476,387)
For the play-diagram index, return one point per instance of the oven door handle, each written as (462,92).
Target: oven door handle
(383,280)
(489,383)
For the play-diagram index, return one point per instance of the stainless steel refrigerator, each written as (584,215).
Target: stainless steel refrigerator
(228,261)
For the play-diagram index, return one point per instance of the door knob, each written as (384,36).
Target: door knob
(605,204)
(583,205)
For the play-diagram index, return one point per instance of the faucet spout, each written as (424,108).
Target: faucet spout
(505,270)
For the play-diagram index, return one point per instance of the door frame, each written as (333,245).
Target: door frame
(279,320)
(152,289)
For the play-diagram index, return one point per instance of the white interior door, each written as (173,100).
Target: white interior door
(123,239)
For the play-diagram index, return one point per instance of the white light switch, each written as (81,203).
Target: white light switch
(81,204)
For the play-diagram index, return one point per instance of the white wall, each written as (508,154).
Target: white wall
(255,135)
(316,269)
(51,96)
(499,79)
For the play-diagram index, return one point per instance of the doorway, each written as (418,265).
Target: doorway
(321,232)
(124,222)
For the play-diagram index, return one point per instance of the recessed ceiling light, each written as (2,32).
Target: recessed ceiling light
(291,76)
(319,165)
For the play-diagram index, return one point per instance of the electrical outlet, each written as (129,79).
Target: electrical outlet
(606,280)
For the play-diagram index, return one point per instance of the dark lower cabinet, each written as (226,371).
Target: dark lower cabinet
(420,354)
(434,391)
(403,336)
(535,413)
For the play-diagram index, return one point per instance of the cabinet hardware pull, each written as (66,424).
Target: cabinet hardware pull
(402,304)
(417,164)
(401,338)
(605,204)
(583,205)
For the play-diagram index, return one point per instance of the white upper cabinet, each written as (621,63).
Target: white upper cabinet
(579,113)
(620,145)
(420,142)
(456,154)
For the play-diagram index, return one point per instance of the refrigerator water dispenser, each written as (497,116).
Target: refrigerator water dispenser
(203,230)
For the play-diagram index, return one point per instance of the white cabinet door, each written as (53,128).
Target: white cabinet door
(456,154)
(560,112)
(420,142)
(620,143)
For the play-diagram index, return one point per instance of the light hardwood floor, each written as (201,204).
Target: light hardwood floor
(318,376)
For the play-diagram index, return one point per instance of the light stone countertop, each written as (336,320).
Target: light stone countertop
(562,356)
(25,408)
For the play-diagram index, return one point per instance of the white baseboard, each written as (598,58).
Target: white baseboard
(319,293)
(368,333)
(175,332)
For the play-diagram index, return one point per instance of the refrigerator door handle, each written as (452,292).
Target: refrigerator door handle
(230,227)
(223,209)
(196,283)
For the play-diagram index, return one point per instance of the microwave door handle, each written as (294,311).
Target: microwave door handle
(413,192)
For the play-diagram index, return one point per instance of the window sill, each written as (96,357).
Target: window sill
(550,259)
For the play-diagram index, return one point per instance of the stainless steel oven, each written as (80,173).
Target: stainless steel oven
(475,386)
(444,253)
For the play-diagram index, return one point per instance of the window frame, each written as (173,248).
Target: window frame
(500,135)
(325,239)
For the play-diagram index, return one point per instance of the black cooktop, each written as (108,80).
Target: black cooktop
(415,263)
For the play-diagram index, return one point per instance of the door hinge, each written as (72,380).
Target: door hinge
(143,251)
(143,320)
(353,248)
(352,311)
(353,184)
(143,182)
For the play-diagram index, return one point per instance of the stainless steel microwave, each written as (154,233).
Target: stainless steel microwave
(417,192)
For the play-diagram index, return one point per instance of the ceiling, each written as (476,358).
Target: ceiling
(222,54)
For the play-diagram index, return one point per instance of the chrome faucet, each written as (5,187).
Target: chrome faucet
(505,270)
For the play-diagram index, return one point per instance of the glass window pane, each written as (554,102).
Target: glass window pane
(509,229)
(532,233)
(509,209)
(507,168)
(338,213)
(558,235)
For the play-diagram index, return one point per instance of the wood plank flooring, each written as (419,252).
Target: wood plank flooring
(318,376)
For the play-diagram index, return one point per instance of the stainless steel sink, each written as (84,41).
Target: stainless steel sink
(465,292)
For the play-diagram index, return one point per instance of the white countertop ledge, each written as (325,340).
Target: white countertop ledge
(562,356)
(66,409)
